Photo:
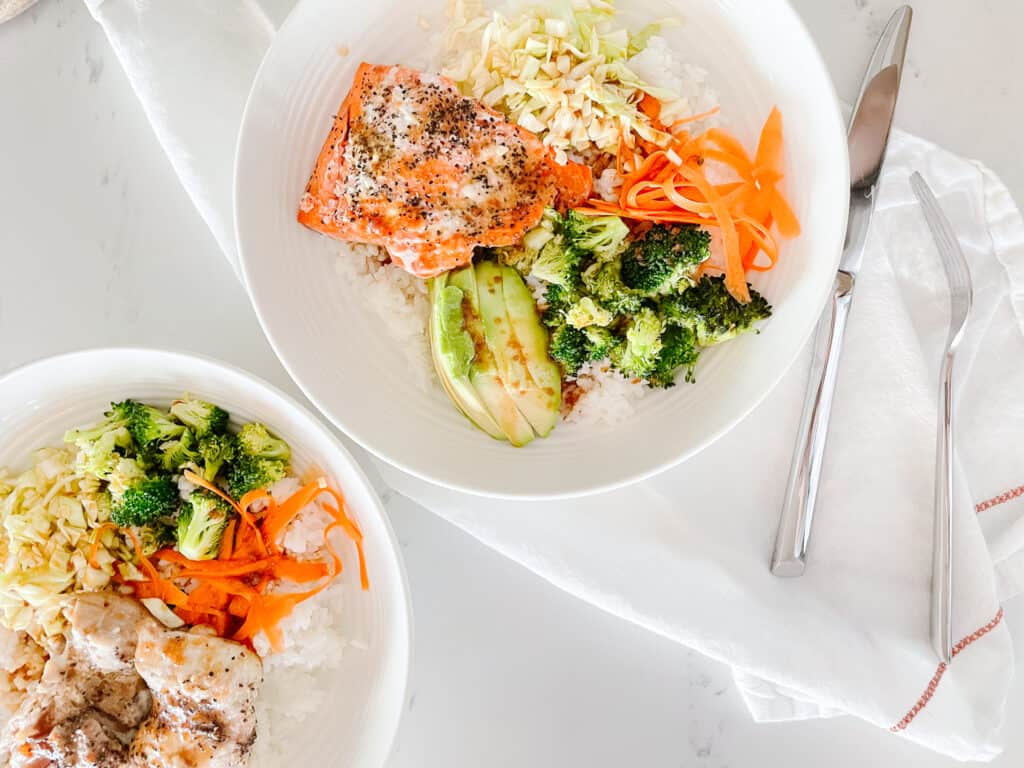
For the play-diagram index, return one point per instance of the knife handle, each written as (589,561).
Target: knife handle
(788,559)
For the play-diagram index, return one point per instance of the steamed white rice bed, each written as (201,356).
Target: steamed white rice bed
(318,635)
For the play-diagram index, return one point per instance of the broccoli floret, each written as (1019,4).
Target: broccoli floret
(713,313)
(603,281)
(557,301)
(585,313)
(665,256)
(146,501)
(215,451)
(116,418)
(639,355)
(201,417)
(102,445)
(125,474)
(560,297)
(99,457)
(601,236)
(150,425)
(176,454)
(678,350)
(201,525)
(600,342)
(522,256)
(248,472)
(155,536)
(255,440)
(558,263)
(569,348)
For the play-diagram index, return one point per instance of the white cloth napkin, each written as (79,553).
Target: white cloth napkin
(685,554)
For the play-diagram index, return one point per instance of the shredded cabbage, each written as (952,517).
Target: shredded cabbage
(560,70)
(48,518)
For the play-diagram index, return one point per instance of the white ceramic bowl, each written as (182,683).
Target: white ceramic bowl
(41,400)
(757,54)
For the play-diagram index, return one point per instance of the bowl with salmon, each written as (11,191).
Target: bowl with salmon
(540,249)
(194,573)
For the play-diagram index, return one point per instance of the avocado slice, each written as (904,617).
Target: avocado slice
(536,401)
(452,349)
(532,336)
(483,372)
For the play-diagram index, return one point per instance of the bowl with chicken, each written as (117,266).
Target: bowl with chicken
(195,572)
(530,249)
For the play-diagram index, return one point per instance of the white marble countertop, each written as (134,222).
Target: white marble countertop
(509,672)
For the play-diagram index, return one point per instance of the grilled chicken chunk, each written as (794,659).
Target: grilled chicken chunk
(90,699)
(413,165)
(204,700)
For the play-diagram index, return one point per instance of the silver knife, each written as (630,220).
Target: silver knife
(868,138)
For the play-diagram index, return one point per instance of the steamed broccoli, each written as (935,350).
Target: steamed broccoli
(176,454)
(155,536)
(713,313)
(557,300)
(99,457)
(255,440)
(522,256)
(215,451)
(146,501)
(558,263)
(201,526)
(600,342)
(665,256)
(201,417)
(601,236)
(102,445)
(125,474)
(585,313)
(116,418)
(569,348)
(678,350)
(248,472)
(149,425)
(603,281)
(638,357)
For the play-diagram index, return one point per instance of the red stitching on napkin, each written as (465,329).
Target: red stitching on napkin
(1000,499)
(941,670)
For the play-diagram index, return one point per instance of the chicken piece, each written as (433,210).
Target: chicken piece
(21,665)
(204,700)
(90,699)
(413,165)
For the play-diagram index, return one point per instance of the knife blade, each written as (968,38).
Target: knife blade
(868,139)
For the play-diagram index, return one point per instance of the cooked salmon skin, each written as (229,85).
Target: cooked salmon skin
(413,165)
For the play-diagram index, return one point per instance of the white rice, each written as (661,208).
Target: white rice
(298,682)
(397,299)
(657,64)
(607,396)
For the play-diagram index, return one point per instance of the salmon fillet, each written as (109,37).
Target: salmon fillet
(413,165)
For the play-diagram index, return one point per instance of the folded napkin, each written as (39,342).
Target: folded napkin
(686,553)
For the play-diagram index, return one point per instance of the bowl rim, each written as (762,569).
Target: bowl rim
(405,635)
(366,441)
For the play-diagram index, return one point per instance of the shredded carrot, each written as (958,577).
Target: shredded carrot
(673,184)
(227,544)
(96,541)
(674,128)
(277,519)
(239,594)
(156,585)
(195,479)
(352,530)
